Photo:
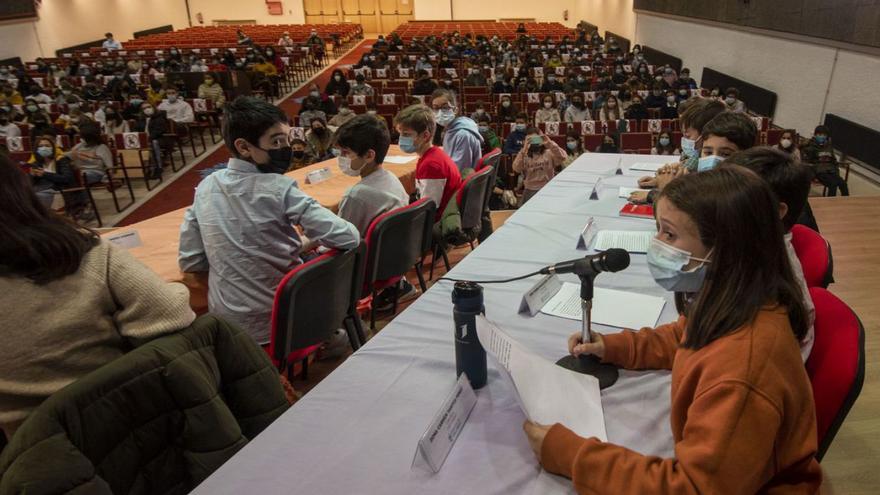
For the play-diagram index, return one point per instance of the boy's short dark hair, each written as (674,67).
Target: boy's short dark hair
(732,91)
(522,116)
(821,129)
(297,141)
(698,112)
(483,118)
(735,127)
(789,180)
(249,118)
(364,133)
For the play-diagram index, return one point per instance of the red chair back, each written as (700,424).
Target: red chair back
(396,240)
(814,253)
(312,301)
(836,365)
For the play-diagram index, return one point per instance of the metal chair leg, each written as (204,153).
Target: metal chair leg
(373,310)
(422,284)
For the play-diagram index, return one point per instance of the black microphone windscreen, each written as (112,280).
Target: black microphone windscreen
(615,259)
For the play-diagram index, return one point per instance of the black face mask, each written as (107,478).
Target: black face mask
(298,154)
(318,130)
(535,149)
(279,161)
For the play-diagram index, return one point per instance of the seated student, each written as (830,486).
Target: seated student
(423,64)
(322,101)
(285,40)
(175,108)
(609,144)
(665,146)
(423,84)
(573,147)
(548,112)
(517,136)
(610,110)
(338,85)
(8,94)
(299,155)
(685,79)
(697,112)
(490,139)
(480,112)
(50,171)
(790,182)
(93,159)
(361,88)
(819,155)
(311,108)
(476,78)
(502,84)
(550,84)
(363,144)
(343,114)
(210,89)
(114,123)
(734,104)
(788,144)
(156,125)
(537,161)
(7,124)
(636,109)
(155,93)
(742,406)
(437,176)
(320,139)
(657,98)
(80,297)
(507,111)
(577,111)
(670,108)
(461,137)
(247,259)
(724,135)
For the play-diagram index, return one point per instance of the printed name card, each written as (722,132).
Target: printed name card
(318,176)
(127,240)
(437,441)
(535,298)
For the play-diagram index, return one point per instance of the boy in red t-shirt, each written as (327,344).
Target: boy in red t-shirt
(437,176)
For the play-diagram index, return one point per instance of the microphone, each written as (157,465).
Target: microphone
(612,260)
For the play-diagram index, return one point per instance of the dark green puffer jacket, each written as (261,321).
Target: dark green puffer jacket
(158,420)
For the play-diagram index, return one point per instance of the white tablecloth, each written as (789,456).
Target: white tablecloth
(356,432)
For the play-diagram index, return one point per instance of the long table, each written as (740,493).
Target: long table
(161,234)
(356,432)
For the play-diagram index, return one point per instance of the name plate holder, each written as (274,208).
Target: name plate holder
(539,294)
(587,234)
(127,240)
(318,176)
(437,440)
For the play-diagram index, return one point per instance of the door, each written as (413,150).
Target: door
(394,13)
(321,11)
(363,12)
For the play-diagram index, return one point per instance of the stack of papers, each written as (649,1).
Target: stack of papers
(634,241)
(546,393)
(614,308)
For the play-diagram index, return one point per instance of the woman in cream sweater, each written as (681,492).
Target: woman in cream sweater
(70,300)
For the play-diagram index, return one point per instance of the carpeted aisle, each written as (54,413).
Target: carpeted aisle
(180,193)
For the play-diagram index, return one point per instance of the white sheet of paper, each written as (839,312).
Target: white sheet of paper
(400,160)
(626,191)
(128,239)
(615,308)
(547,393)
(647,167)
(634,241)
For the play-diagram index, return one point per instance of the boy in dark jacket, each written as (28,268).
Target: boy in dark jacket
(819,155)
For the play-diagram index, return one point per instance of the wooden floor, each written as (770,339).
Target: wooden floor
(852,227)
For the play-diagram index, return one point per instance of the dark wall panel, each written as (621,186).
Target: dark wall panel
(855,140)
(850,21)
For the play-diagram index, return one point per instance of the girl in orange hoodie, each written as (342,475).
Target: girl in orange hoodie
(742,415)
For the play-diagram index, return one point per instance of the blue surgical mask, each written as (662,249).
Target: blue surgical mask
(708,163)
(666,264)
(821,139)
(407,144)
(688,146)
(571,145)
(520,127)
(45,151)
(664,141)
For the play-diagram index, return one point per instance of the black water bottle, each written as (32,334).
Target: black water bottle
(470,357)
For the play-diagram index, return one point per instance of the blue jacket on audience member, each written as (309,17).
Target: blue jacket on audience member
(514,142)
(462,141)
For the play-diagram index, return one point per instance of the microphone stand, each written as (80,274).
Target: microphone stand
(607,374)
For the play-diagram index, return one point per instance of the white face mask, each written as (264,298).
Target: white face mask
(786,143)
(345,166)
(548,104)
(444,116)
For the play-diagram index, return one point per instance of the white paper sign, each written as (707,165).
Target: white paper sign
(318,176)
(440,436)
(536,297)
(587,234)
(127,240)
